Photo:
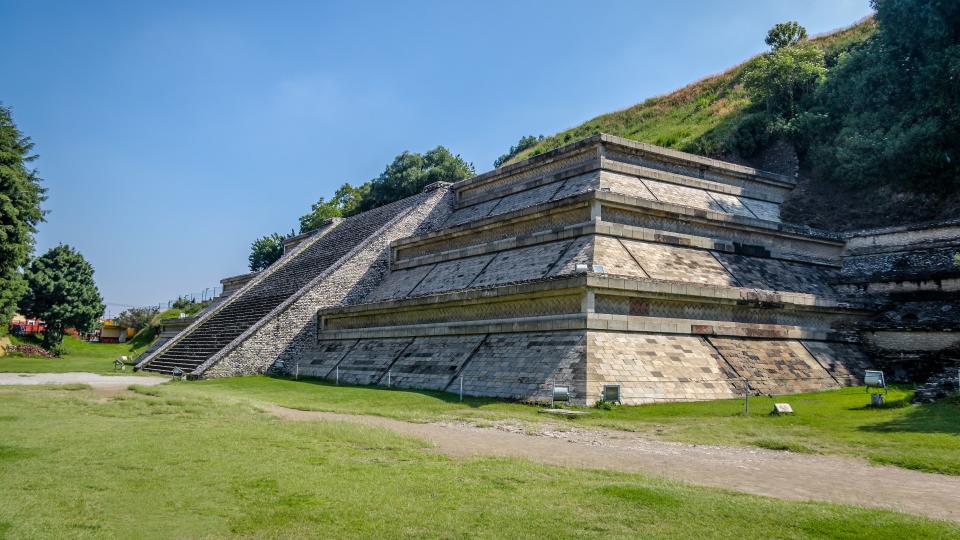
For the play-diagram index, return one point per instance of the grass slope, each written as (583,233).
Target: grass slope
(698,118)
(918,437)
(182,464)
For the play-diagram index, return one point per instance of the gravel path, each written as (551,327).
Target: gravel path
(93,379)
(784,475)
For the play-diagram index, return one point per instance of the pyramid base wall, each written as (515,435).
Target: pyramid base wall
(648,367)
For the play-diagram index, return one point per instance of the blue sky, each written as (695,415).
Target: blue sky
(171,134)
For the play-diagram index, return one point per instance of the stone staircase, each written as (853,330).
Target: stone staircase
(214,332)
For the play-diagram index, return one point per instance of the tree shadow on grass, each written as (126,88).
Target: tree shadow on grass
(446,397)
(940,417)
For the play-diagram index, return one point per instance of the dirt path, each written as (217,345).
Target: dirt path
(762,472)
(108,382)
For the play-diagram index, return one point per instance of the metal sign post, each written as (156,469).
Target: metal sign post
(746,397)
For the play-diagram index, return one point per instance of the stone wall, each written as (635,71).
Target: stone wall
(526,366)
(522,365)
(910,273)
(606,262)
(651,368)
(290,330)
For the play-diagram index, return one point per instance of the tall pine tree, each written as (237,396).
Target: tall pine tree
(20,213)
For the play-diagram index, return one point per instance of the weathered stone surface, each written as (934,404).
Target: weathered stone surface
(580,251)
(323,358)
(773,366)
(775,275)
(577,185)
(368,361)
(527,366)
(683,196)
(471,213)
(651,368)
(400,284)
(679,264)
(433,362)
(521,264)
(763,209)
(846,362)
(688,284)
(451,275)
(625,184)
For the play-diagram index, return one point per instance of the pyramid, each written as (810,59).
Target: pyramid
(605,267)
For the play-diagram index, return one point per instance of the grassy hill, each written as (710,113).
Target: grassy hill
(882,149)
(698,118)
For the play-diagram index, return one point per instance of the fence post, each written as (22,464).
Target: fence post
(388,378)
(746,397)
(338,375)
(461,388)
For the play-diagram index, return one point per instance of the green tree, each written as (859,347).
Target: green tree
(20,213)
(265,251)
(410,172)
(348,198)
(62,292)
(784,78)
(183,302)
(785,34)
(528,141)
(137,317)
(320,211)
(891,108)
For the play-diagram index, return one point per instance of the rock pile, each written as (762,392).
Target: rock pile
(943,384)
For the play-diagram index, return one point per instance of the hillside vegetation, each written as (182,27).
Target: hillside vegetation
(867,116)
(700,118)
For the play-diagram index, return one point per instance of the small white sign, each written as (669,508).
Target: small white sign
(782,408)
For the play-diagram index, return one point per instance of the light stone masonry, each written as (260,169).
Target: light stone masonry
(605,262)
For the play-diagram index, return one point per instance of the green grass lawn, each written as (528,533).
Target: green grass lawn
(918,437)
(78,355)
(191,461)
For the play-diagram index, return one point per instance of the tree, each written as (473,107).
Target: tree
(183,302)
(345,202)
(265,251)
(61,291)
(138,317)
(892,106)
(526,142)
(410,172)
(782,79)
(785,34)
(348,198)
(20,213)
(320,211)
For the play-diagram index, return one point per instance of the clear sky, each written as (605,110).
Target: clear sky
(171,134)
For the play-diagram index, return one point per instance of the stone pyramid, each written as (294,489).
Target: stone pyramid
(605,263)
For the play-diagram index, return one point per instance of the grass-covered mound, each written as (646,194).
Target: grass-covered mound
(699,118)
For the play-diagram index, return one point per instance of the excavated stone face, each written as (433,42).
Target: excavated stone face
(273,314)
(603,263)
(667,275)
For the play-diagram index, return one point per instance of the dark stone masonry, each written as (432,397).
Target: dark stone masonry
(605,263)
